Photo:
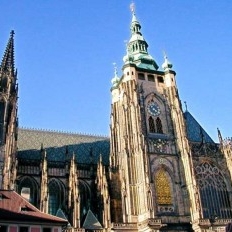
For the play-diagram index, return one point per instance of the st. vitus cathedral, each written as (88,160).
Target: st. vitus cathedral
(158,171)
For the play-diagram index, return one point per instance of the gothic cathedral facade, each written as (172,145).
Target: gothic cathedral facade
(158,171)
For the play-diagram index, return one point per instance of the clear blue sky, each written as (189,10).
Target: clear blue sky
(64,52)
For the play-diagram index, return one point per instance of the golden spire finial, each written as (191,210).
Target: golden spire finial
(115,69)
(132,7)
(165,54)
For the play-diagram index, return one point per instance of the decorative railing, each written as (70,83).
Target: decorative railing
(210,222)
(124,225)
(83,230)
(128,226)
(222,221)
(154,221)
(75,230)
(204,222)
(176,219)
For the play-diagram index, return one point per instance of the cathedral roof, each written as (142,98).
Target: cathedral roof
(60,145)
(195,132)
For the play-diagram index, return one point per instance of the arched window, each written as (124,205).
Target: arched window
(151,125)
(213,191)
(159,126)
(85,198)
(55,197)
(28,190)
(163,188)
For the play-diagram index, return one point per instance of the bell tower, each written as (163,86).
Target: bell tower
(152,178)
(8,117)
(131,196)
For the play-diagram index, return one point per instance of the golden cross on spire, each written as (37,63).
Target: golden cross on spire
(165,54)
(115,69)
(132,7)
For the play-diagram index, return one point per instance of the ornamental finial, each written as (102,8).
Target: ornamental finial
(186,106)
(132,7)
(166,65)
(115,79)
(165,55)
(12,33)
(126,43)
(115,69)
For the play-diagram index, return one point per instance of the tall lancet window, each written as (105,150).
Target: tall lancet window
(151,125)
(163,188)
(159,126)
(213,191)
(54,197)
(28,190)
(85,198)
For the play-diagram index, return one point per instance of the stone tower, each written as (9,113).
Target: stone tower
(155,184)
(163,171)
(8,117)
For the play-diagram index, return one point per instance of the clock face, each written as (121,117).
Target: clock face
(153,109)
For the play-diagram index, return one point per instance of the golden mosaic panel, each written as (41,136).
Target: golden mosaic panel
(163,188)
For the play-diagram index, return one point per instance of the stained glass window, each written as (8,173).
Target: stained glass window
(213,191)
(55,195)
(163,188)
(84,198)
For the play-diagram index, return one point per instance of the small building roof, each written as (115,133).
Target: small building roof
(14,208)
(91,222)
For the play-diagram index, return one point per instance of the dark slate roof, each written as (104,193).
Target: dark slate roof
(87,148)
(91,222)
(195,132)
(14,207)
(61,214)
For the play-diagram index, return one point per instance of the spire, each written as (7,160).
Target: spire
(100,159)
(134,19)
(8,58)
(137,46)
(167,65)
(73,157)
(41,147)
(219,136)
(115,79)
(186,106)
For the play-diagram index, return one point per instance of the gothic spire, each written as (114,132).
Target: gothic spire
(137,46)
(219,136)
(8,58)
